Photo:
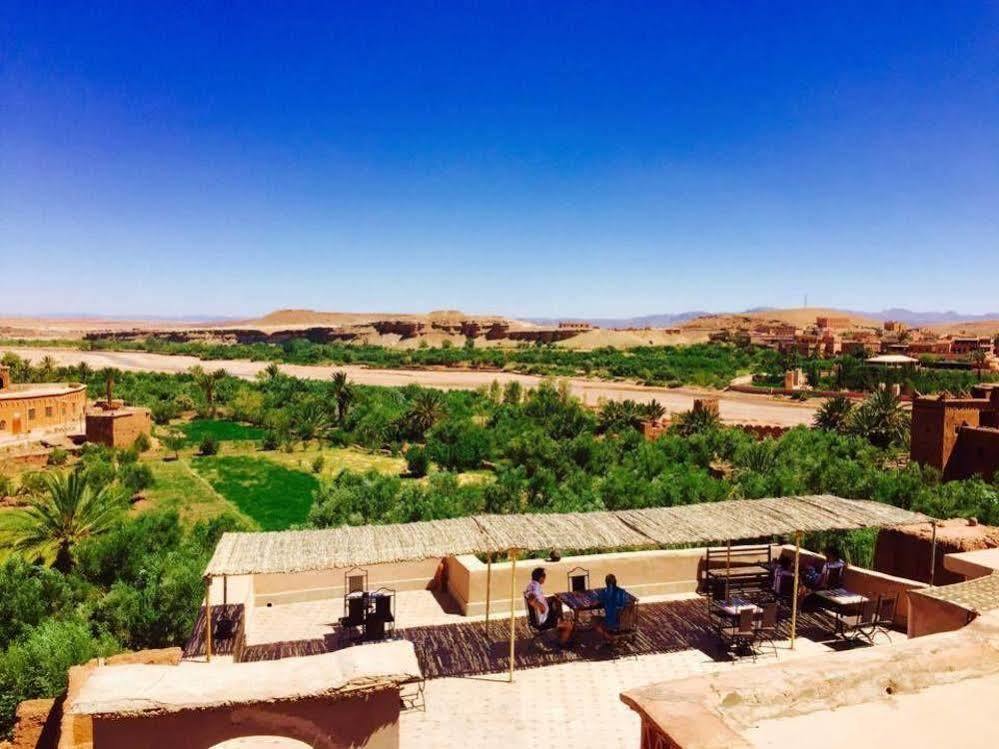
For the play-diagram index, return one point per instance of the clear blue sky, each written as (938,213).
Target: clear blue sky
(522,158)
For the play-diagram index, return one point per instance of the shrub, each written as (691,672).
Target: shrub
(209,445)
(417,461)
(136,477)
(142,443)
(317,464)
(58,457)
(270,441)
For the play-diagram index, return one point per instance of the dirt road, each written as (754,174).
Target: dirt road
(738,408)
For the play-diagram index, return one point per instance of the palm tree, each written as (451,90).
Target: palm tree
(693,422)
(654,410)
(208,382)
(83,371)
(427,407)
(343,394)
(309,421)
(272,371)
(881,419)
(833,415)
(48,366)
(109,375)
(69,511)
(979,359)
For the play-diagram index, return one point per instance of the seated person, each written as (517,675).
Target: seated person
(832,570)
(612,599)
(547,611)
(783,577)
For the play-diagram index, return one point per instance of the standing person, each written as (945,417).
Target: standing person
(612,600)
(547,611)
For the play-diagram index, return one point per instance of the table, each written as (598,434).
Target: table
(842,603)
(734,606)
(587,600)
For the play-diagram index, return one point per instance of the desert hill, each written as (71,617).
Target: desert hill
(971,328)
(800,317)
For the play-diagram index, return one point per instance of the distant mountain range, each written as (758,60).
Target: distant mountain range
(667,320)
(664,320)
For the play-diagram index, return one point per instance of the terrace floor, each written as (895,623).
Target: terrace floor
(572,694)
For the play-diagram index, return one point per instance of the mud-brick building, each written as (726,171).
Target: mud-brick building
(959,436)
(35,409)
(116,425)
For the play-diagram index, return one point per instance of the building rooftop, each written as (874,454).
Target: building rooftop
(39,390)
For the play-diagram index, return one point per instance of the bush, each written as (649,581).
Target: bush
(142,443)
(270,441)
(417,461)
(136,477)
(209,445)
(317,464)
(58,457)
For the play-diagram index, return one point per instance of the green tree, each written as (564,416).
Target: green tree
(425,411)
(208,383)
(881,420)
(68,512)
(343,394)
(834,414)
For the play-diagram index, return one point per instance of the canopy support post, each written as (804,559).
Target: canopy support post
(489,582)
(728,565)
(208,619)
(794,600)
(933,552)
(225,591)
(513,587)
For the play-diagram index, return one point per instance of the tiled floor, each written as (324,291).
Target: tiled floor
(567,705)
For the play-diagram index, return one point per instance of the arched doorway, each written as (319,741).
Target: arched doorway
(262,742)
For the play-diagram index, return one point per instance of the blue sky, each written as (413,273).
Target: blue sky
(563,159)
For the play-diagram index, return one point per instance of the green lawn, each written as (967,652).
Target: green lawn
(7,518)
(223,431)
(273,495)
(179,488)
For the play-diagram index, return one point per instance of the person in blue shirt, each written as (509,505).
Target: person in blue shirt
(613,599)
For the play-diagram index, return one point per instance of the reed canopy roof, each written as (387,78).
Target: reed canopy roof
(711,522)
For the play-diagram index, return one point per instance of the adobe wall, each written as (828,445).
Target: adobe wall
(368,721)
(644,573)
(118,428)
(929,616)
(23,414)
(295,587)
(976,453)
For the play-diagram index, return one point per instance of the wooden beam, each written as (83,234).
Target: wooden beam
(513,587)
(933,553)
(728,565)
(794,600)
(489,583)
(208,619)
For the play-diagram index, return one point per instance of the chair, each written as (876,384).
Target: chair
(534,626)
(835,577)
(885,619)
(741,635)
(355,580)
(627,628)
(766,630)
(355,607)
(860,624)
(578,580)
(381,621)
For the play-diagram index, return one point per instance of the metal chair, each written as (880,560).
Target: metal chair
(578,580)
(766,631)
(627,629)
(860,624)
(381,621)
(885,618)
(352,622)
(741,635)
(355,580)
(535,627)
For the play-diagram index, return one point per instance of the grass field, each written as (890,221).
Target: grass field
(273,495)
(178,487)
(223,431)
(7,518)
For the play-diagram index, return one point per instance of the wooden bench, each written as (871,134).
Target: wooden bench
(745,569)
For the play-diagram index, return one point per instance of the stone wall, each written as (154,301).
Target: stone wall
(24,411)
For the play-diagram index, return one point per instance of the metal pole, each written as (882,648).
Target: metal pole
(489,582)
(513,585)
(933,553)
(728,564)
(208,619)
(794,601)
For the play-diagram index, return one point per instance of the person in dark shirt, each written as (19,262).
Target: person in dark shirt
(612,599)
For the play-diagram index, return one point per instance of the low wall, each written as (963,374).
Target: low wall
(644,573)
(928,616)
(296,587)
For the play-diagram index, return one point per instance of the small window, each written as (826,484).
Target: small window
(3,425)
(31,414)
(48,411)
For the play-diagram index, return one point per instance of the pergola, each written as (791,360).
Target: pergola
(684,525)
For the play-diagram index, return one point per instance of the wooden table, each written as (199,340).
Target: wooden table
(735,606)
(587,600)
